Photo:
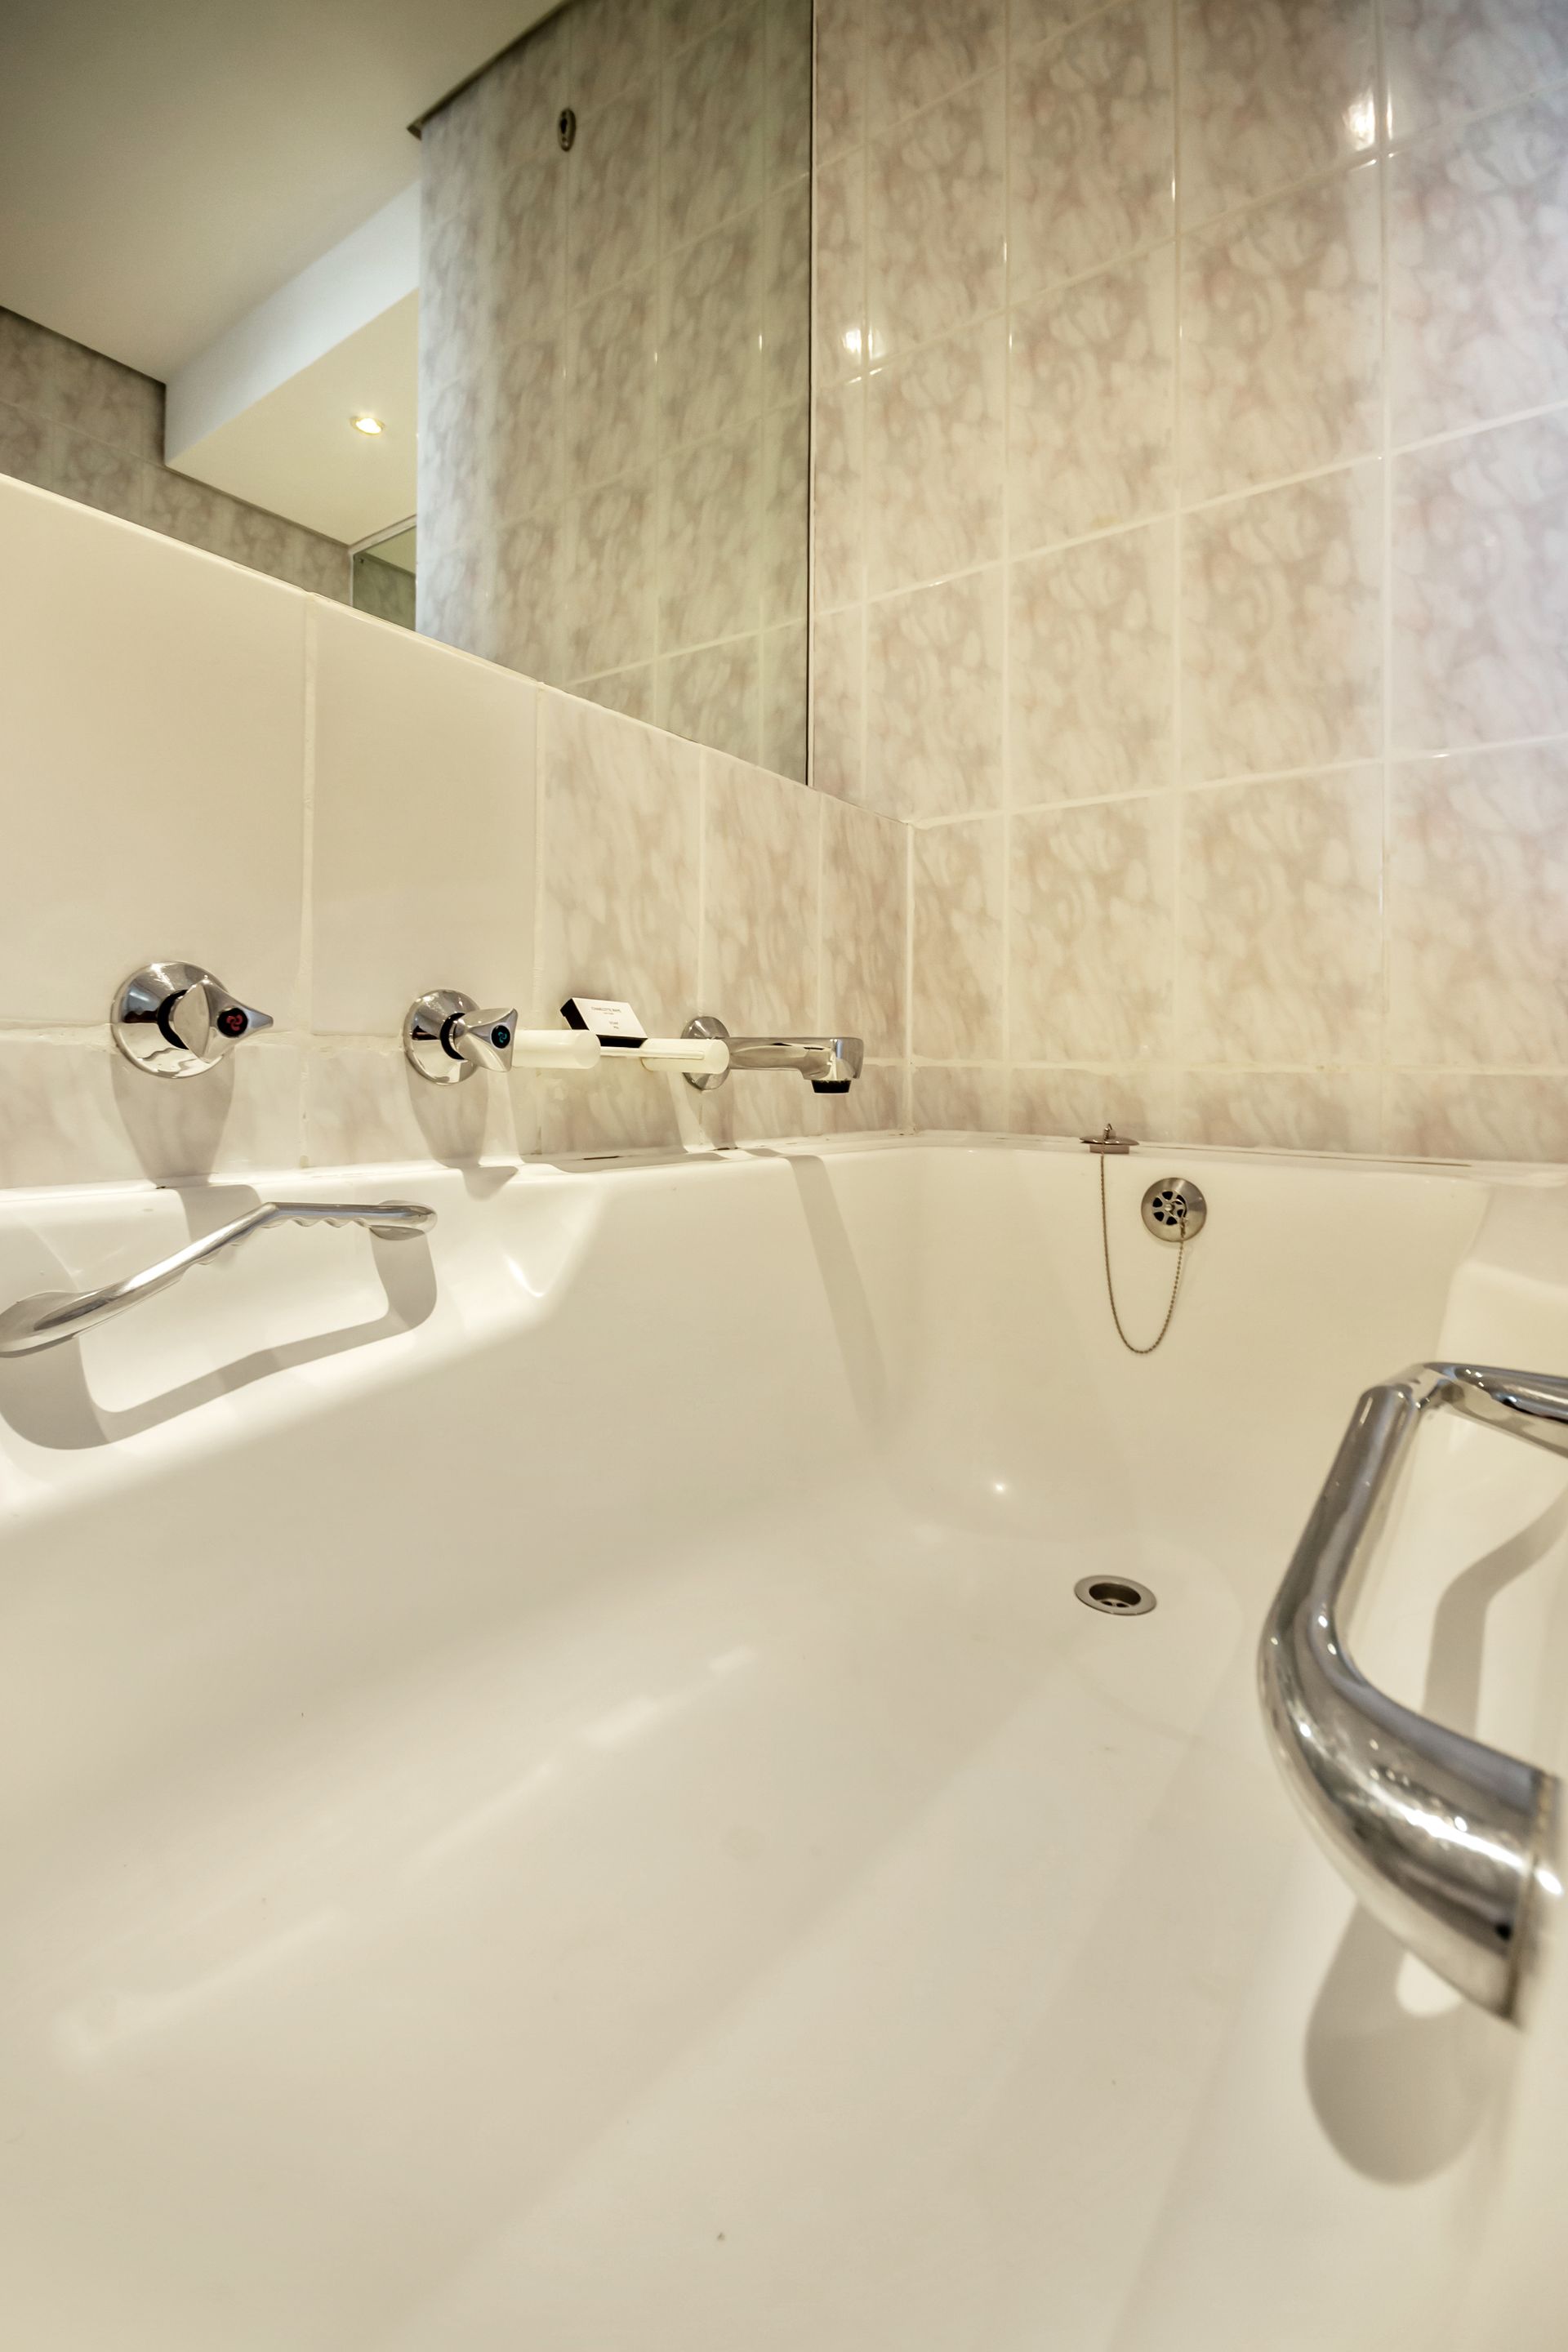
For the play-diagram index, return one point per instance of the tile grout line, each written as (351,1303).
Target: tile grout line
(1385,125)
(305,1016)
(1178,704)
(1005,684)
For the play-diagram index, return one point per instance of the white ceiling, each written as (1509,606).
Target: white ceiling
(295,450)
(166,164)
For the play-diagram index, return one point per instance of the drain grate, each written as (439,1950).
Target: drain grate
(1114,1596)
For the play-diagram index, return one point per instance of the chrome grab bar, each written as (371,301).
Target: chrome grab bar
(1447,1841)
(55,1316)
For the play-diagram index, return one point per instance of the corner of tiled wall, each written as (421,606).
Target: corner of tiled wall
(1191,555)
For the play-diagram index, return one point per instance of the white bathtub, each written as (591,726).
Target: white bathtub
(557,1794)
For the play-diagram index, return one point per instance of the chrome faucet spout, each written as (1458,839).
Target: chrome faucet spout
(828,1065)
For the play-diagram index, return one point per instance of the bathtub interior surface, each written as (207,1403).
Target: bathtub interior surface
(592,1816)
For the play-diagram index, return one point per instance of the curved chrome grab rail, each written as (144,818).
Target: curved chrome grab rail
(55,1315)
(1448,1842)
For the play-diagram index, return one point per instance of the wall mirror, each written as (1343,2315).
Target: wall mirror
(507,341)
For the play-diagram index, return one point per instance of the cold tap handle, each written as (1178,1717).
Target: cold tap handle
(485,1038)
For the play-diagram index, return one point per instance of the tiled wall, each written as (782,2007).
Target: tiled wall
(334,815)
(1191,513)
(77,423)
(613,347)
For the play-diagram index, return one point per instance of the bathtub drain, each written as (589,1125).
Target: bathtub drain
(1117,1596)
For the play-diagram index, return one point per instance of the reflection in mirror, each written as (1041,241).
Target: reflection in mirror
(383,575)
(613,365)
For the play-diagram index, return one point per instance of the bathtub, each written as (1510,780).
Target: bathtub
(558,1794)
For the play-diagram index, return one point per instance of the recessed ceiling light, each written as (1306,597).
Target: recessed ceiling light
(367,425)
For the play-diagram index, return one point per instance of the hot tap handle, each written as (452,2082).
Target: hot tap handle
(208,1021)
(175,1020)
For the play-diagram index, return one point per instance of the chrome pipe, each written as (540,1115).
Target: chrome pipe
(52,1316)
(1446,1840)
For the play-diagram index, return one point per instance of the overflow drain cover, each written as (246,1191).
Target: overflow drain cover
(1117,1596)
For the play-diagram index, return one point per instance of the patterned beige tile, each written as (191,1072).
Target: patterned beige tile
(783,516)
(762,1106)
(838,701)
(91,394)
(609,387)
(619,1107)
(956,914)
(934,449)
(1137,1102)
(524,94)
(1478,271)
(714,695)
(1434,1115)
(1089,948)
(610,571)
(527,615)
(1481,588)
(933,684)
(785,710)
(710,333)
(786,295)
(98,476)
(73,1112)
(1281,1110)
(713,155)
(362,1103)
(1091,428)
(1451,57)
(611,180)
(877,1104)
(1092,134)
(1282,336)
(937,219)
(26,445)
(613,47)
(618,901)
(1272,91)
(1279,938)
(629,692)
(523,274)
(709,540)
(838,494)
(839,319)
(958,1101)
(761,859)
(529,418)
(920,50)
(1477,887)
(1092,667)
(1282,656)
(1040,20)
(686,21)
(863,914)
(840,114)
(786,126)
(27,361)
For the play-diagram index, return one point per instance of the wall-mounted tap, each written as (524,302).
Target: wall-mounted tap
(828,1064)
(175,1020)
(448,1037)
